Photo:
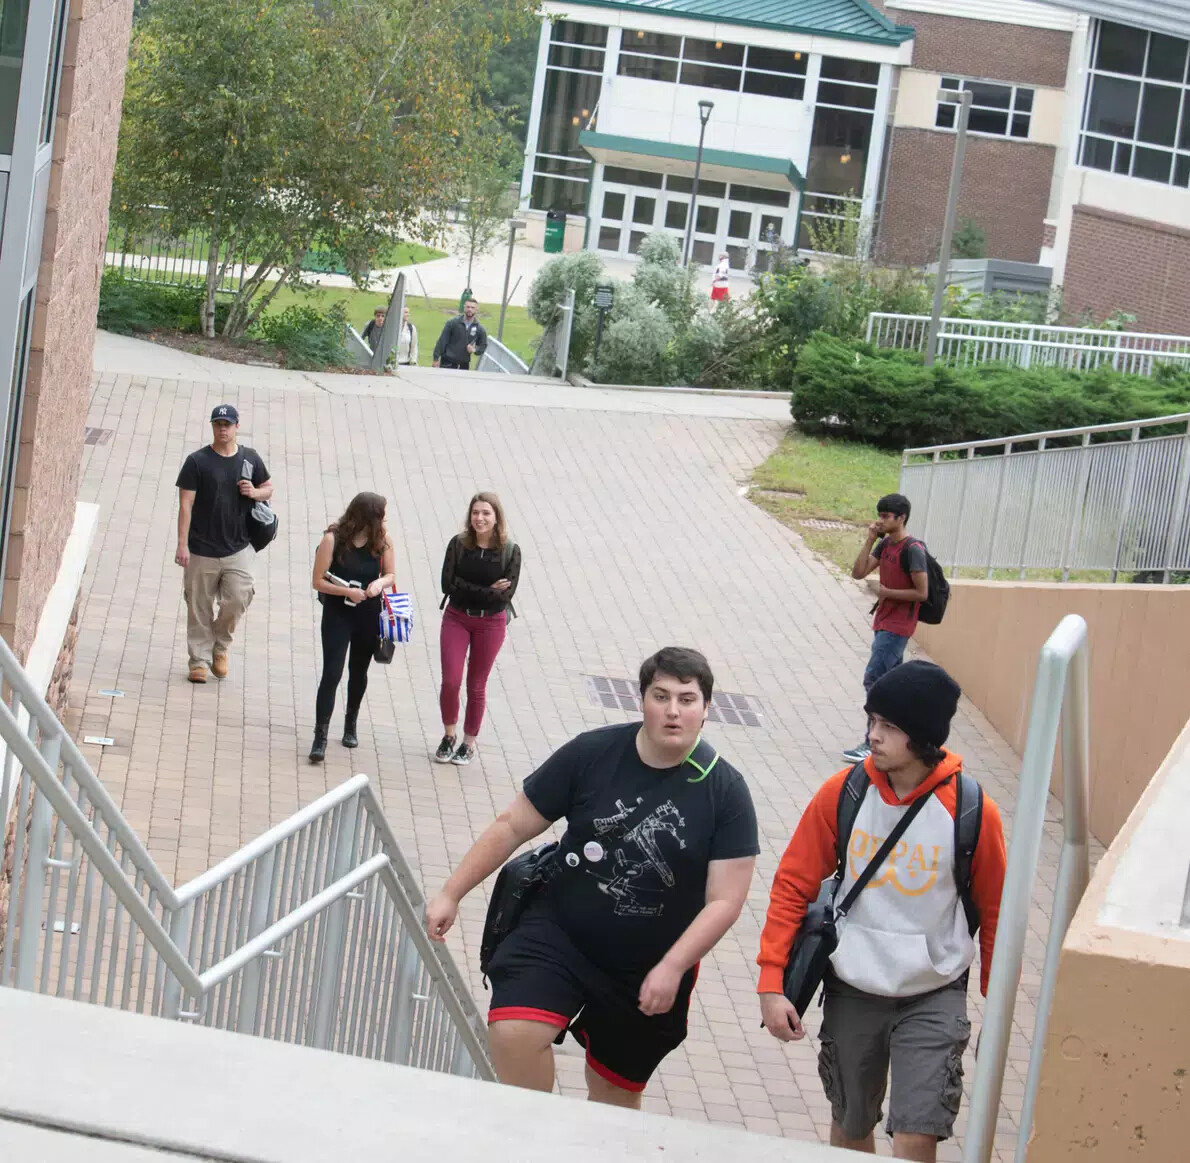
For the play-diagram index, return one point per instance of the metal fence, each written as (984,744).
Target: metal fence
(1111,498)
(1060,700)
(311,934)
(974,341)
(149,252)
(498,358)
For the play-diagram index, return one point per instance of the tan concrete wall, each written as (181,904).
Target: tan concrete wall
(1115,1079)
(1139,642)
(59,378)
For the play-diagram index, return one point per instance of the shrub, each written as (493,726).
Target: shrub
(635,345)
(582,271)
(132,307)
(969,240)
(889,398)
(307,337)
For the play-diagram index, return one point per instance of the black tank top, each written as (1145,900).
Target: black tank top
(358,565)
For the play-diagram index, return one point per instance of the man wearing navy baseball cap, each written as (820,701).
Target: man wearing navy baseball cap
(215,487)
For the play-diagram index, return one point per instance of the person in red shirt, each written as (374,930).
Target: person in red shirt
(903,585)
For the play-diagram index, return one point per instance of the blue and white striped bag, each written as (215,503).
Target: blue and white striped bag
(396,617)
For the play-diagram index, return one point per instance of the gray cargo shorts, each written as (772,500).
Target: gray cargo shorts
(922,1037)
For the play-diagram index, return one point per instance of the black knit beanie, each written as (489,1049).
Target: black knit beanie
(918,697)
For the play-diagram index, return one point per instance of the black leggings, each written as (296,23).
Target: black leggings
(342,629)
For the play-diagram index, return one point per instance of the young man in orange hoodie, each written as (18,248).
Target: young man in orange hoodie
(896,989)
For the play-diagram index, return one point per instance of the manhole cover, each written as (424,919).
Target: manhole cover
(96,435)
(620,694)
(815,523)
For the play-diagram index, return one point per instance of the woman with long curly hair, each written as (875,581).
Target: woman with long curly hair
(479,577)
(353,565)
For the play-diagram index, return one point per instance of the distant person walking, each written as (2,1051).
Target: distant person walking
(461,338)
(216,488)
(372,329)
(480,573)
(902,585)
(721,280)
(353,565)
(407,342)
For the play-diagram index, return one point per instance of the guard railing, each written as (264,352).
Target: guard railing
(313,933)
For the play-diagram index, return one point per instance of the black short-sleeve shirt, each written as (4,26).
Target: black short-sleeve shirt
(219,519)
(631,869)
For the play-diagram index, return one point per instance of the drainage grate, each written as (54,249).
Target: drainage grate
(620,694)
(817,523)
(96,435)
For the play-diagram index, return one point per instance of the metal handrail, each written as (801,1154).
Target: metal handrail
(1060,699)
(1052,434)
(1061,328)
(312,932)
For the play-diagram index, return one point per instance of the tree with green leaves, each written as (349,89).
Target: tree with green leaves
(488,192)
(270,126)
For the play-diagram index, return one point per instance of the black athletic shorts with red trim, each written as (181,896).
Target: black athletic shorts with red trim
(539,975)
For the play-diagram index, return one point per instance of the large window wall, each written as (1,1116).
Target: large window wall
(1136,115)
(573,79)
(839,143)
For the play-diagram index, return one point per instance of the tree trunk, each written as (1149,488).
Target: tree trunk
(290,271)
(207,317)
(238,320)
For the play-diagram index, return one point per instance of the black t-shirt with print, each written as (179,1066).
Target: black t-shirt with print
(631,870)
(219,518)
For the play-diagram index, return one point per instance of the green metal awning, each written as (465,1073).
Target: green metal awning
(720,165)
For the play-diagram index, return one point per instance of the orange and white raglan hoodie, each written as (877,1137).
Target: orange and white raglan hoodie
(907,933)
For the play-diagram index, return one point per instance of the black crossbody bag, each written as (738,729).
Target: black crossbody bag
(818,936)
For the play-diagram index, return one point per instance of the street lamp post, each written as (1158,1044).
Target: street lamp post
(704,115)
(963,100)
(514,224)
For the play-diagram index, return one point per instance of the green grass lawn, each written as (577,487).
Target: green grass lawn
(519,329)
(194,248)
(812,478)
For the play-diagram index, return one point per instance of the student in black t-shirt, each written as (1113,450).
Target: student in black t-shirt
(215,487)
(653,869)
(357,554)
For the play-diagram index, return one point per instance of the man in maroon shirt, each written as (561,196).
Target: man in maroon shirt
(904,584)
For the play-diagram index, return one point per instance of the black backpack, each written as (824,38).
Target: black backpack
(933,609)
(968,816)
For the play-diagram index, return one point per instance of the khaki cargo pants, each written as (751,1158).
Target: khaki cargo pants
(206,581)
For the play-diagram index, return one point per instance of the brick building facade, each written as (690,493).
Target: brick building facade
(1006,180)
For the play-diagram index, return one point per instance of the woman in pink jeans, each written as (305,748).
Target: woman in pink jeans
(479,577)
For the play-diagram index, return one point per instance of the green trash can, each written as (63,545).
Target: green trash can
(555,231)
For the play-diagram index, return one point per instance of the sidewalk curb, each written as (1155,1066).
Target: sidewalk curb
(581,381)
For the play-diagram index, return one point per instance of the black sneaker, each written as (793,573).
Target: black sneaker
(445,749)
(857,754)
(463,756)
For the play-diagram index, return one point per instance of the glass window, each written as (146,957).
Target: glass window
(737,257)
(739,224)
(851,96)
(675,215)
(571,32)
(49,100)
(713,51)
(1126,116)
(566,56)
(996,110)
(759,194)
(775,85)
(703,253)
(13,17)
(706,221)
(12,427)
(680,185)
(773,60)
(710,76)
(1120,49)
(644,210)
(609,238)
(635,240)
(567,104)
(838,151)
(1181,170)
(553,193)
(770,227)
(613,206)
(647,68)
(625,177)
(654,43)
(844,69)
(566,167)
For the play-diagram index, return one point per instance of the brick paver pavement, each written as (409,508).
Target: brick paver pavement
(635,534)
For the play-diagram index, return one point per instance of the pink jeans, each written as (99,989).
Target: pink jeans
(484,637)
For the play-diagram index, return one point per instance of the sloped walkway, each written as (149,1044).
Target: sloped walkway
(635,534)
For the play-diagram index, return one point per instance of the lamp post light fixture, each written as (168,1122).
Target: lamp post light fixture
(961,98)
(704,115)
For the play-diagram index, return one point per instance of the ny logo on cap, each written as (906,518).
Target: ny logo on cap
(222,411)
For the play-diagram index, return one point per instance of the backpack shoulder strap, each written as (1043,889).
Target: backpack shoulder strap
(855,787)
(703,759)
(968,818)
(506,552)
